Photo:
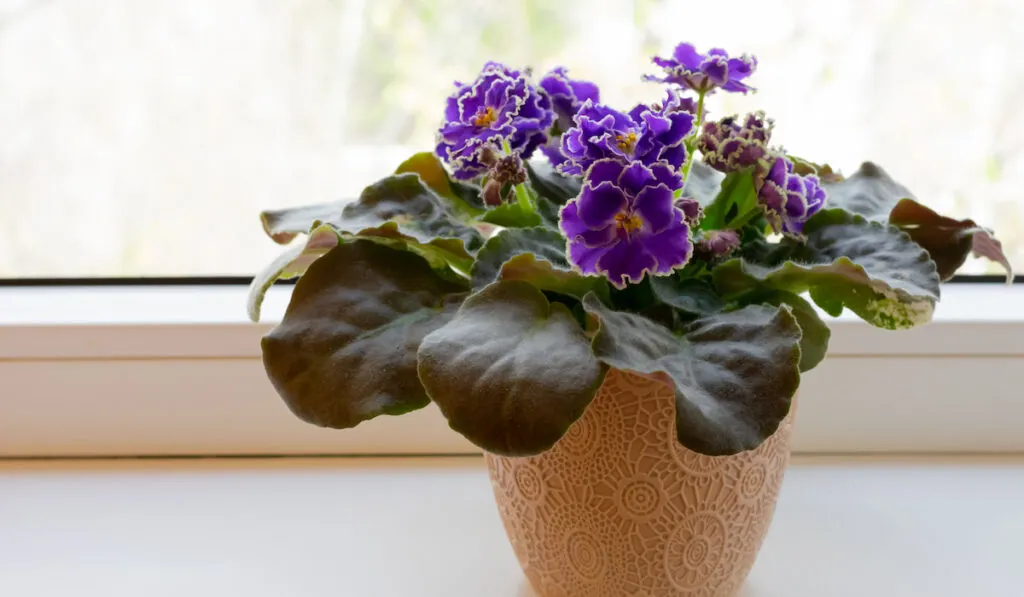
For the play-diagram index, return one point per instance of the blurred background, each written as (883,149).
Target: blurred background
(142,137)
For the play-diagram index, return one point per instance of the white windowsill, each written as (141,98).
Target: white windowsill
(430,528)
(107,371)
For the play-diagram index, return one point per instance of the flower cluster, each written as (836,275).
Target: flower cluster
(623,225)
(704,73)
(729,146)
(500,106)
(647,134)
(632,217)
(789,198)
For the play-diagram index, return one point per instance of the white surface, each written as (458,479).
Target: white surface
(429,528)
(181,374)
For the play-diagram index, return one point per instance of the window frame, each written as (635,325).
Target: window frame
(172,368)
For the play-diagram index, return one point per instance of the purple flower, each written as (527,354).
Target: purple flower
(647,135)
(790,199)
(729,146)
(567,95)
(692,211)
(623,224)
(501,104)
(705,72)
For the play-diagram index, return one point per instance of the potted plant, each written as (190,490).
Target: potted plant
(616,307)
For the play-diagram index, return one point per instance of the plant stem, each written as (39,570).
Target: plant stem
(522,195)
(691,143)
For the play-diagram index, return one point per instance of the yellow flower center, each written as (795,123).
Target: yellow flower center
(485,117)
(628,223)
(626,143)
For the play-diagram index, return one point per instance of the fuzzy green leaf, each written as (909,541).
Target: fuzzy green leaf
(464,199)
(506,244)
(871,268)
(291,264)
(550,184)
(690,295)
(734,373)
(816,334)
(511,371)
(345,351)
(704,183)
(404,199)
(872,193)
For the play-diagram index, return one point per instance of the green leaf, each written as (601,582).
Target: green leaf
(464,199)
(345,351)
(283,225)
(816,334)
(548,183)
(547,276)
(824,172)
(404,199)
(407,201)
(511,371)
(690,295)
(872,193)
(441,253)
(869,192)
(291,264)
(735,204)
(535,255)
(734,373)
(704,183)
(871,268)
(546,244)
(511,215)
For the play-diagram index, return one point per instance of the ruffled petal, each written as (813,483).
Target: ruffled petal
(626,261)
(634,178)
(598,205)
(671,247)
(687,56)
(654,206)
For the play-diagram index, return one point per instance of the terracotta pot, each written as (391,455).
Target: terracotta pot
(618,508)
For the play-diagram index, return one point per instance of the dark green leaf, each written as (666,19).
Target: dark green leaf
(816,334)
(697,297)
(735,204)
(511,215)
(464,199)
(871,268)
(404,199)
(283,225)
(872,193)
(291,264)
(345,351)
(547,276)
(704,183)
(535,255)
(550,184)
(511,371)
(734,373)
(506,244)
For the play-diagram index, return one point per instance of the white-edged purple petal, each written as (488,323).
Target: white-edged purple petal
(598,205)
(626,261)
(671,247)
(634,178)
(654,206)
(606,170)
(687,56)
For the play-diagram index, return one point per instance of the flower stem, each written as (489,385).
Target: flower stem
(691,143)
(522,195)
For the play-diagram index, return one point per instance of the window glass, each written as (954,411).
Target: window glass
(142,137)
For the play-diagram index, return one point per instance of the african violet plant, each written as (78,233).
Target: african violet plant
(549,237)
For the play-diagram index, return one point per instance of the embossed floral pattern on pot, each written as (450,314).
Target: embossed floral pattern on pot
(617,507)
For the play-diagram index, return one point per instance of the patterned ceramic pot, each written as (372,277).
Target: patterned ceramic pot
(618,508)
